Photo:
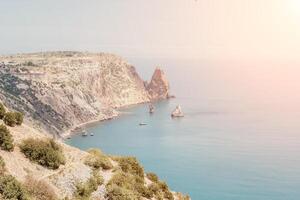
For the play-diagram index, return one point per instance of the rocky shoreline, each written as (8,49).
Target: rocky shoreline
(59,91)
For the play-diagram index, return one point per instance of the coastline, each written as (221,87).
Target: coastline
(78,128)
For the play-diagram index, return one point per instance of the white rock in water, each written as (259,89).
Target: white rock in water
(177,112)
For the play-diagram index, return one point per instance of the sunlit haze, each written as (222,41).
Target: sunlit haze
(202,29)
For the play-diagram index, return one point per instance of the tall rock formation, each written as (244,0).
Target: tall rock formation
(60,90)
(158,88)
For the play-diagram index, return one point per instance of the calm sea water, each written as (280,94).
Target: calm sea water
(239,139)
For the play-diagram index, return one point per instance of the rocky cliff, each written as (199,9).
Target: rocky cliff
(60,90)
(158,88)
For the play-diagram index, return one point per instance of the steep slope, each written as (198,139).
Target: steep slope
(64,181)
(59,90)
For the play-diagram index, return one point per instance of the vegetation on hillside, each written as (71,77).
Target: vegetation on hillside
(13,118)
(2,111)
(10,188)
(84,190)
(126,186)
(44,152)
(6,139)
(97,159)
(2,166)
(129,183)
(39,189)
(131,165)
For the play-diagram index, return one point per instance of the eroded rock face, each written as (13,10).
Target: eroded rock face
(158,88)
(61,90)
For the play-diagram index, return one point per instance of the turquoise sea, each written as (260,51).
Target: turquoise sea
(239,139)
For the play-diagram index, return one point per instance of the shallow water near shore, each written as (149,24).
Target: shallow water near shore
(239,139)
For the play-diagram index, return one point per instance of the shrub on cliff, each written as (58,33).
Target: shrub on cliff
(44,152)
(2,166)
(13,118)
(152,177)
(131,165)
(6,139)
(84,190)
(39,189)
(19,118)
(2,111)
(115,192)
(96,159)
(133,184)
(159,189)
(10,188)
(9,119)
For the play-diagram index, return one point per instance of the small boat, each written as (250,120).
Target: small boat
(177,112)
(84,133)
(91,134)
(142,124)
(151,108)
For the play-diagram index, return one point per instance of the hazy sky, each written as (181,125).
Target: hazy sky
(205,29)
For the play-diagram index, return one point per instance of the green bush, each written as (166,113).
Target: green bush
(44,152)
(13,118)
(10,188)
(84,190)
(131,165)
(2,166)
(129,182)
(96,159)
(19,118)
(165,189)
(10,119)
(39,189)
(115,192)
(6,139)
(2,111)
(152,177)
(159,189)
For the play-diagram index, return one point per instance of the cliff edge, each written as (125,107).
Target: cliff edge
(59,90)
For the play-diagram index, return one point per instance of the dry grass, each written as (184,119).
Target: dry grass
(39,189)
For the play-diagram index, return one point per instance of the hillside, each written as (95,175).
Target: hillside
(64,181)
(59,90)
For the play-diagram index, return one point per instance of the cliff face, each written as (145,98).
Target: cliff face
(158,88)
(60,90)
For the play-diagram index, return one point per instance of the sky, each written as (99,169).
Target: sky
(202,29)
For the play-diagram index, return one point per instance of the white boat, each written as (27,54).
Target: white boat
(84,133)
(142,124)
(91,134)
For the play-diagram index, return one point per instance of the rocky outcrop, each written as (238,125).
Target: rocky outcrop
(158,88)
(60,90)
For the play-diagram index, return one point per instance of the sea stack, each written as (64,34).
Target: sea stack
(158,88)
(177,112)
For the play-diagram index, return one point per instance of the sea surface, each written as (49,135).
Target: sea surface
(239,139)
